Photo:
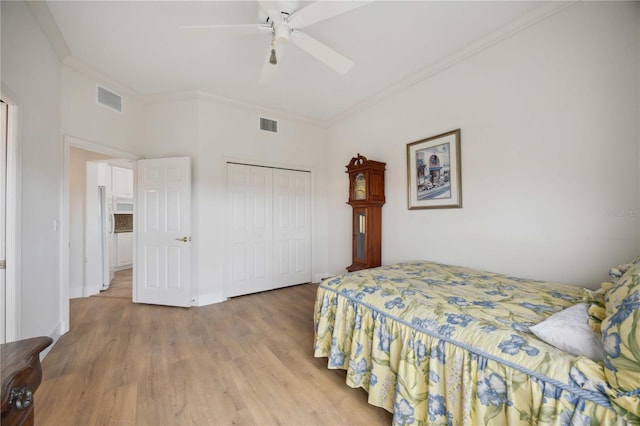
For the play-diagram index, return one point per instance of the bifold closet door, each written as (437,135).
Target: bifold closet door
(269,228)
(250,229)
(291,227)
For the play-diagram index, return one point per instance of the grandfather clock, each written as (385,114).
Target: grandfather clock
(366,197)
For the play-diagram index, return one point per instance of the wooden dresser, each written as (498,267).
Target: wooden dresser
(21,375)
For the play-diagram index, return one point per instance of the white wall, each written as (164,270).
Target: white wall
(83,118)
(31,77)
(212,132)
(550,146)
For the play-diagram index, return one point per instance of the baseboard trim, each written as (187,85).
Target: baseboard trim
(75,292)
(121,268)
(55,335)
(91,290)
(78,292)
(321,276)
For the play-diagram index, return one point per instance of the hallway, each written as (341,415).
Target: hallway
(121,286)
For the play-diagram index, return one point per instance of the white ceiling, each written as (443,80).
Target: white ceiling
(138,44)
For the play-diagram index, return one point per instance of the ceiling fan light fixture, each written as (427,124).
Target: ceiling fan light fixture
(272,59)
(282,32)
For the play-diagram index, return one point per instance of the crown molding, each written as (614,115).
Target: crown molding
(183,95)
(112,84)
(271,112)
(42,14)
(471,50)
(208,96)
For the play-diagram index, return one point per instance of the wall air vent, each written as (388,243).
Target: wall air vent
(268,125)
(109,99)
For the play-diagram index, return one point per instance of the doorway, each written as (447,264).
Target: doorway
(101,221)
(80,254)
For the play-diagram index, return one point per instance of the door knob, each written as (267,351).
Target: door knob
(184,239)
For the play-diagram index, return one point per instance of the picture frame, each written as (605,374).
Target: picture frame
(434,174)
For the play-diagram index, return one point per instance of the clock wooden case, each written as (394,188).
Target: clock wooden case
(366,197)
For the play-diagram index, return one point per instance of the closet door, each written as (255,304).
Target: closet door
(250,230)
(291,227)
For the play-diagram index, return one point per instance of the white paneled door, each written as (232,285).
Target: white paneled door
(163,254)
(291,227)
(268,228)
(250,216)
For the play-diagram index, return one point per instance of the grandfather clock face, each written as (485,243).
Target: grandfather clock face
(359,187)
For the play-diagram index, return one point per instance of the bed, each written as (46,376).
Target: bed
(440,344)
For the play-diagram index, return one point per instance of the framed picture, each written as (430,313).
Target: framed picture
(434,178)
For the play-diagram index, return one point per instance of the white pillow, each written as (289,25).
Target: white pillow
(569,330)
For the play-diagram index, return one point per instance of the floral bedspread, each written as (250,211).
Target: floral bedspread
(439,344)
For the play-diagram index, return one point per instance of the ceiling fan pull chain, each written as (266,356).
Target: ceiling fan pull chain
(272,59)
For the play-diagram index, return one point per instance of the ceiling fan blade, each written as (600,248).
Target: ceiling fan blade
(228,29)
(321,10)
(322,52)
(268,69)
(272,9)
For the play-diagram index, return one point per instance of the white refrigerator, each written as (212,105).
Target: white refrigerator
(107,224)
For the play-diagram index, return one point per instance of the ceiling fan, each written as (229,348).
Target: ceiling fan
(283,20)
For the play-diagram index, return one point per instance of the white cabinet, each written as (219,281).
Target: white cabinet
(104,175)
(112,252)
(122,182)
(124,249)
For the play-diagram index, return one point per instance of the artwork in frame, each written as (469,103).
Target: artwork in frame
(434,177)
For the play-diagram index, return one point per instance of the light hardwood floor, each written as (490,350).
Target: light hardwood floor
(247,361)
(120,286)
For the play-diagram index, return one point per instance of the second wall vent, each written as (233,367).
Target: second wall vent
(268,125)
(109,99)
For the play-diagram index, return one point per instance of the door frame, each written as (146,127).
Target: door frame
(70,141)
(12,221)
